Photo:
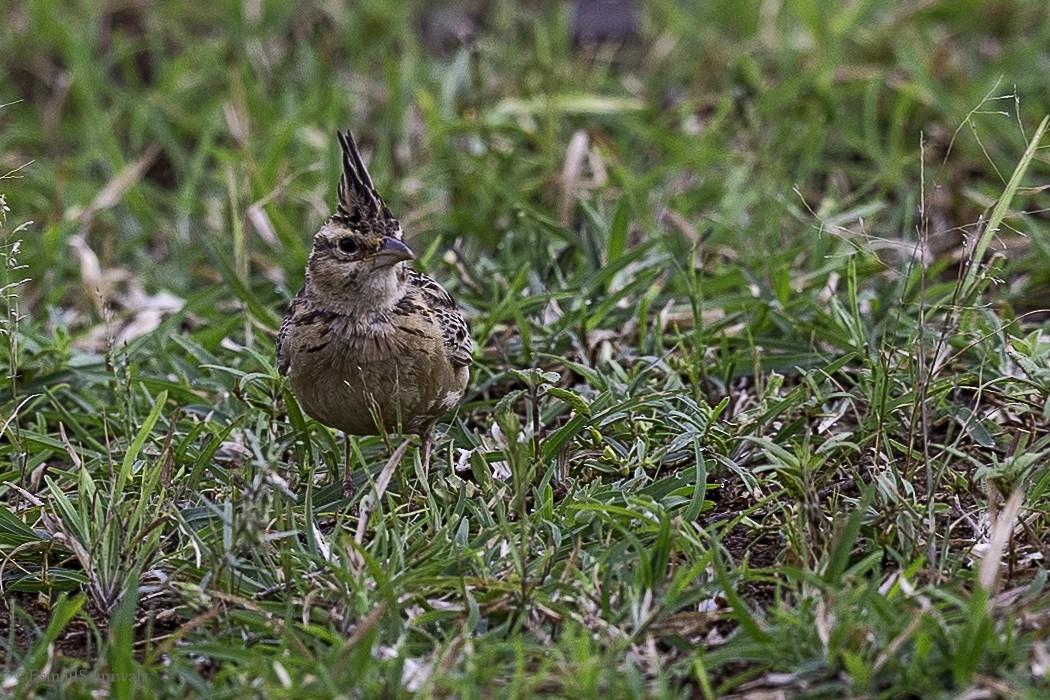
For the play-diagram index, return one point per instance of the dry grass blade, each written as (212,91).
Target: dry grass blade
(1002,528)
(370,499)
(570,173)
(116,188)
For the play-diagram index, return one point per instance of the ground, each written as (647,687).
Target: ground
(759,405)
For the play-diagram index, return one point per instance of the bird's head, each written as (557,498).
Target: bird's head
(358,259)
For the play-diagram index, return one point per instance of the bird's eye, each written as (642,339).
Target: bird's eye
(347,245)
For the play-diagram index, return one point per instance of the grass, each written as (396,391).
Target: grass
(760,396)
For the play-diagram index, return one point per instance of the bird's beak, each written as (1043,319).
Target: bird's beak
(392,252)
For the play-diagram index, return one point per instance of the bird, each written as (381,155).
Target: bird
(370,345)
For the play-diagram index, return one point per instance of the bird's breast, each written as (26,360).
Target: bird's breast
(382,379)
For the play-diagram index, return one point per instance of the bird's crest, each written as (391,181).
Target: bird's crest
(358,199)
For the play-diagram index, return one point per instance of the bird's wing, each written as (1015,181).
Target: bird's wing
(455,333)
(283,359)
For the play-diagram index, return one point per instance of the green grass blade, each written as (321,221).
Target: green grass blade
(135,448)
(999,212)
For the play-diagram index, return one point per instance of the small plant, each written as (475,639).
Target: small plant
(11,285)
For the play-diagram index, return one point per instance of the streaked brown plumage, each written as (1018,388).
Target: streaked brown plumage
(370,344)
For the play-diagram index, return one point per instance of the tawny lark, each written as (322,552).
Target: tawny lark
(371,345)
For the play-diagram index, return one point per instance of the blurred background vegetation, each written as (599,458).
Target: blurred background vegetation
(762,121)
